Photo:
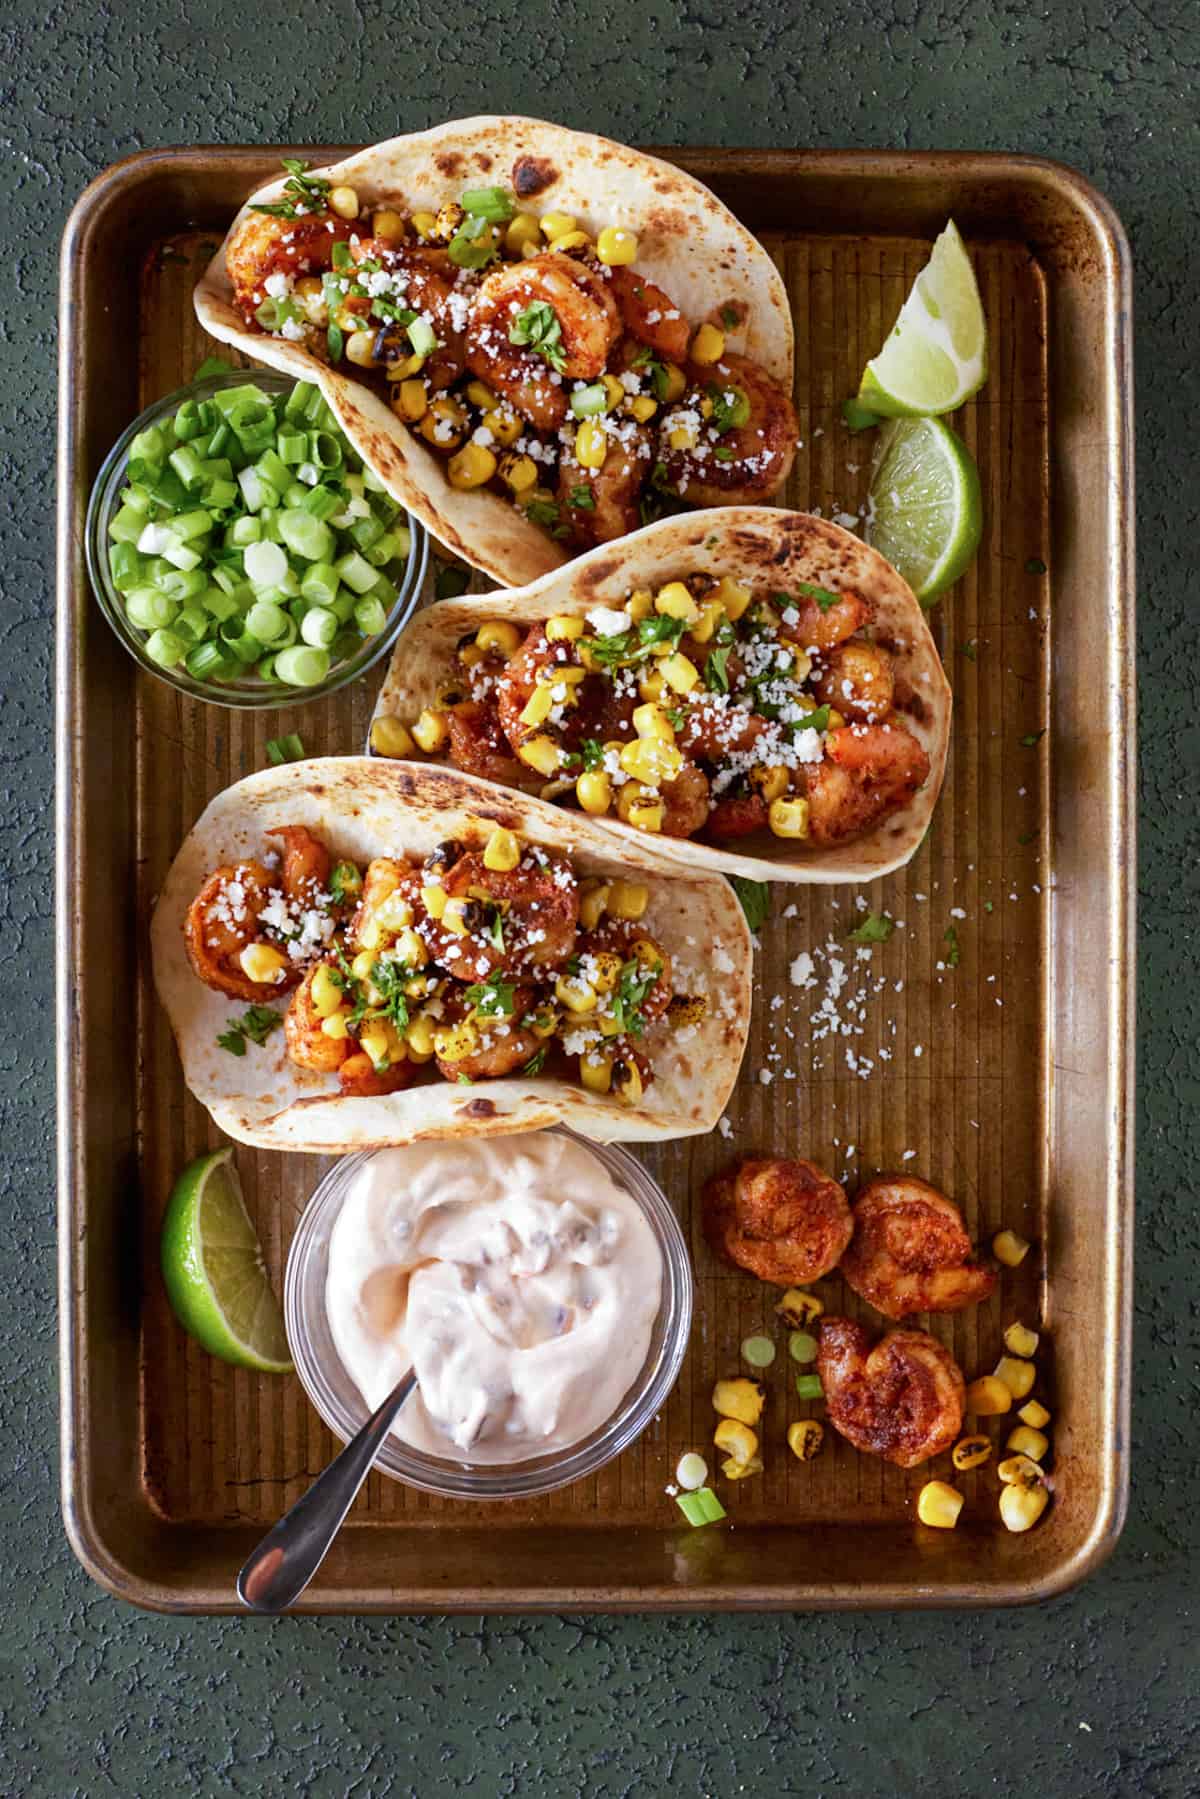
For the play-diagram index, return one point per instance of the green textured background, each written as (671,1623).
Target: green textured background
(97,1699)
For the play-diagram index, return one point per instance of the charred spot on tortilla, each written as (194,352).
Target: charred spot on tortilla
(483,161)
(448,162)
(533,175)
(598,576)
(478,1108)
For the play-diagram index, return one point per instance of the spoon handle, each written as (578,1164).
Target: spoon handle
(289,1555)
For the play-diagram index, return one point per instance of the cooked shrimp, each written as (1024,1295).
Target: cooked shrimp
(514,688)
(821,630)
(621,937)
(362,1080)
(868,772)
(221,922)
(610,495)
(737,815)
(431,285)
(745,463)
(857,678)
(307,864)
(588,326)
(520,922)
(262,246)
(650,315)
(385,877)
(505,1043)
(479,747)
(902,1400)
(715,726)
(685,802)
(785,1222)
(909,1252)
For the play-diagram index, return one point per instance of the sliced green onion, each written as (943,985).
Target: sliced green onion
(370,616)
(187,422)
(320,583)
(125,566)
(165,648)
(356,572)
(266,564)
(691,1471)
(273,469)
(495,204)
(366,531)
(182,555)
(240,643)
(187,466)
(758,1351)
(293,446)
(322,502)
(221,494)
(255,491)
(128,524)
(285,749)
(150,610)
(319,627)
(205,661)
(307,537)
(422,337)
(702,1507)
(190,525)
(302,666)
(218,604)
(298,401)
(802,1347)
(808,1386)
(268,622)
(586,402)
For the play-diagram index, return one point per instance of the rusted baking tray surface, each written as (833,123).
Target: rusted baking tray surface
(1002,1074)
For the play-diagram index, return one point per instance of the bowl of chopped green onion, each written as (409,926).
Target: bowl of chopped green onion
(242,551)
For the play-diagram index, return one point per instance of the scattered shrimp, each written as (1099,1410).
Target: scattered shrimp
(221,922)
(430,287)
(902,1400)
(307,1044)
(910,1252)
(515,923)
(823,629)
(514,688)
(857,679)
(786,1222)
(306,868)
(611,495)
(649,314)
(362,1080)
(384,878)
(685,802)
(748,462)
(738,815)
(867,773)
(588,327)
(713,727)
(505,1043)
(261,246)
(479,747)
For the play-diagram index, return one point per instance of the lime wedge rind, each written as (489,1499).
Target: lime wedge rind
(925,513)
(935,356)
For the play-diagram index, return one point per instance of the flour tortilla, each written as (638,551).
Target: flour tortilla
(763,547)
(363,808)
(687,241)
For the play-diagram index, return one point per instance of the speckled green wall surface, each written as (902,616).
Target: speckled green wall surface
(1094,1694)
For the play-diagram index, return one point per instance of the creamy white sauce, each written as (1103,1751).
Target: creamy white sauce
(513,1273)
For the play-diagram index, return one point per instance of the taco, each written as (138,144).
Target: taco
(755,690)
(355,953)
(538,339)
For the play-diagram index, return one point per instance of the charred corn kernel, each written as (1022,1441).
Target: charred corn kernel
(640,604)
(557,224)
(591,444)
(393,911)
(674,601)
(604,970)
(742,1470)
(676,382)
(360,349)
(455,1042)
(429,732)
(682,436)
(519,473)
(679,673)
(610,1025)
(643,408)
(636,807)
(615,245)
(506,426)
(449,218)
(708,345)
(1017,1375)
(448,695)
(498,634)
(401,370)
(262,962)
(741,1398)
(576,994)
(627,1082)
(804,1438)
(537,710)
(335,1026)
(370,935)
(540,752)
(409,948)
(388,225)
(988,1397)
(710,617)
(344,201)
(652,721)
(571,240)
(652,761)
(971,1452)
(471,654)
(595,1070)
(939,1504)
(770,782)
(544,1022)
(411,401)
(788,818)
(420,986)
(445,422)
(1022,1506)
(686,1009)
(628,899)
(1035,1414)
(651,686)
(362,965)
(798,1308)
(1027,1441)
(563,629)
(309,292)
(390,736)
(1010,1249)
(471,467)
(1019,1470)
(382,1043)
(731,596)
(593,790)
(325,992)
(736,1439)
(502,851)
(614,389)
(419,1038)
(425,224)
(706,409)
(434,901)
(593,898)
(454,916)
(1020,1340)
(521,230)
(481,395)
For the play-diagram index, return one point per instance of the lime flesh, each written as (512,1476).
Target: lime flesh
(213,1268)
(935,356)
(926,511)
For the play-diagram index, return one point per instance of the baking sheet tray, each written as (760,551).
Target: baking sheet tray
(1005,1079)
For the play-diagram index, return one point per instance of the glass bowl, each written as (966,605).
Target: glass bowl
(248,692)
(344,1410)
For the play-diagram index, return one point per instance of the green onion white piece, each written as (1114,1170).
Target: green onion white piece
(691,1470)
(758,1351)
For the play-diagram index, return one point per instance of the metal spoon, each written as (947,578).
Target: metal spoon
(290,1554)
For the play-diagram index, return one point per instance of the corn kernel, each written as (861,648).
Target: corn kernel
(708,345)
(576,994)
(593,898)
(938,1505)
(1017,1375)
(604,970)
(627,1082)
(454,916)
(1021,1340)
(971,1452)
(1019,1470)
(772,783)
(804,1438)
(444,423)
(652,721)
(675,601)
(628,899)
(506,426)
(419,1038)
(616,246)
(430,731)
(473,466)
(382,1044)
(651,686)
(591,444)
(788,818)
(309,292)
(263,963)
(409,949)
(1021,1507)
(519,473)
(798,1308)
(640,604)
(391,737)
(741,1398)
(1035,1414)
(521,230)
(635,807)
(676,382)
(679,673)
(370,934)
(540,752)
(1027,1441)
(988,1397)
(736,1439)
(614,391)
(502,851)
(455,1042)
(425,224)
(538,708)
(571,240)
(362,965)
(731,596)
(388,225)
(742,1470)
(434,901)
(411,401)
(543,1023)
(593,790)
(449,218)
(1010,1249)
(335,1026)
(360,349)
(595,1070)
(710,617)
(344,201)
(557,224)
(564,629)
(325,992)
(652,761)
(643,408)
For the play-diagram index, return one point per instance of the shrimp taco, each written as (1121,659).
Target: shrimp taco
(538,339)
(756,691)
(355,953)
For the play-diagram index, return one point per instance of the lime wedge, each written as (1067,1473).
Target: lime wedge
(213,1268)
(936,354)
(925,512)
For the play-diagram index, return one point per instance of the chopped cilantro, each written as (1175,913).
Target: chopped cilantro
(660,627)
(335,340)
(1035,566)
(987,906)
(821,595)
(257,1023)
(656,369)
(538,328)
(730,408)
(582,497)
(593,753)
(213,365)
(233,1041)
(545,513)
(722,455)
(677,717)
(1026,837)
(388,977)
(451,580)
(970,649)
(492,998)
(756,900)
(633,985)
(306,193)
(1032,738)
(536,1062)
(464,1080)
(716,674)
(953,953)
(496,930)
(876,927)
(813,721)
(345,883)
(730,317)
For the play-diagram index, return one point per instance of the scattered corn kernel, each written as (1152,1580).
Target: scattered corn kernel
(563,629)
(593,790)
(741,1398)
(391,737)
(335,1026)
(736,1439)
(1019,1470)
(703,628)
(1017,1375)
(544,1022)
(636,807)
(521,230)
(627,899)
(325,993)
(971,1452)
(570,240)
(263,963)
(388,225)
(708,345)
(344,201)
(804,1438)
(449,218)
(498,634)
(506,426)
(409,949)
(1035,1414)
(679,673)
(675,601)
(731,596)
(1027,1441)
(557,224)
(502,851)
(627,1082)
(643,408)
(770,782)
(676,382)
(615,245)
(591,444)
(309,292)
(425,224)
(360,349)
(411,401)
(939,1504)
(788,818)
(444,423)
(362,965)
(652,760)
(454,916)
(434,901)
(734,1470)
(595,1070)
(430,731)
(1021,1340)
(798,1308)
(651,686)
(640,604)
(988,1397)
(537,709)
(576,994)
(519,473)
(593,898)
(419,1038)
(1021,1506)
(471,467)
(652,721)
(455,1042)
(1010,1249)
